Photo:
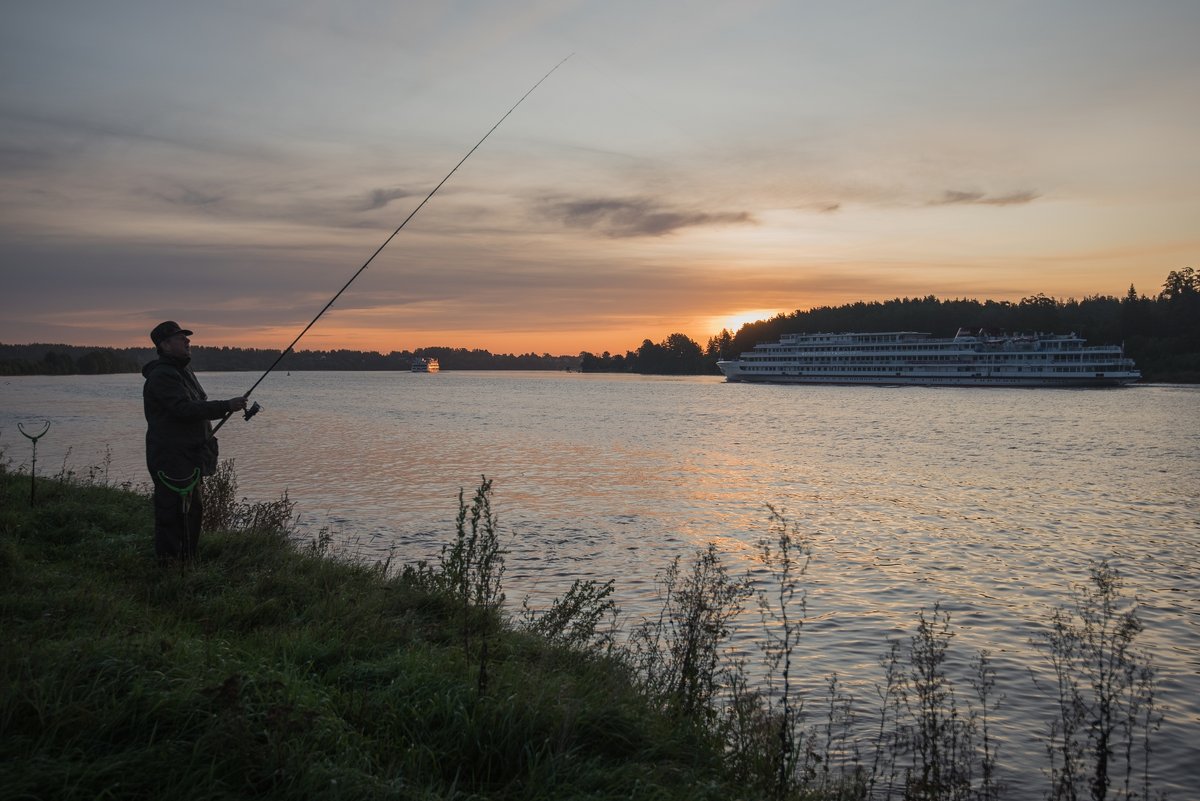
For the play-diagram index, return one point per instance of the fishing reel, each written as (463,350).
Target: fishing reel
(252,410)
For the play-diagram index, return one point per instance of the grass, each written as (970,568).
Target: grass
(267,671)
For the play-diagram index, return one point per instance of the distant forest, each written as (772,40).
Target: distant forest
(40,359)
(1161,333)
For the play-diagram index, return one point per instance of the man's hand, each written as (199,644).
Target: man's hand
(236,404)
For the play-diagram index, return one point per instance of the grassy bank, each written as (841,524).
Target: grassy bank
(267,671)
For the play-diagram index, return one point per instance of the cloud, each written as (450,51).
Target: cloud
(633,217)
(957,197)
(187,196)
(381,197)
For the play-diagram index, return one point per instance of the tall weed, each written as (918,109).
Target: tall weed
(225,511)
(1099,742)
(940,735)
(678,654)
(786,554)
(472,569)
(574,619)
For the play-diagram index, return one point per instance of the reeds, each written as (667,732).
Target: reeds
(932,739)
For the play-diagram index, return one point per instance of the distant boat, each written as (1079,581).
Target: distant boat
(906,357)
(425,366)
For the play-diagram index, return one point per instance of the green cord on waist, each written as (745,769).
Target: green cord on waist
(183,491)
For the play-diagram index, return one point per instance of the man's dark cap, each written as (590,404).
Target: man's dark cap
(168,329)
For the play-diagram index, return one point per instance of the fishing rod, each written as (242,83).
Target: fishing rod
(253,410)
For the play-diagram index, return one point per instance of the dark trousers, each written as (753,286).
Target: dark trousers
(176,532)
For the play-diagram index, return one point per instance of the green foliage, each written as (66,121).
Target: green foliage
(472,566)
(471,572)
(266,671)
(932,742)
(573,619)
(786,554)
(1099,742)
(940,735)
(224,511)
(678,654)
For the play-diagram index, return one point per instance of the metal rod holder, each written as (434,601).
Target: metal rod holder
(33,464)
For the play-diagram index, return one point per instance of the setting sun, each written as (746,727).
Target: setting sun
(736,320)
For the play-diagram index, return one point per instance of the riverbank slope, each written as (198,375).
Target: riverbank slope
(268,671)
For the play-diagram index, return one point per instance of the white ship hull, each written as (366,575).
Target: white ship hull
(908,358)
(935,381)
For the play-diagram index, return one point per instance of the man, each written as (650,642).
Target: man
(180,447)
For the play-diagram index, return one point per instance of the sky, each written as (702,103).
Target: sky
(691,165)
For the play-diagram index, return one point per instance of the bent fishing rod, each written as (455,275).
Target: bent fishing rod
(253,410)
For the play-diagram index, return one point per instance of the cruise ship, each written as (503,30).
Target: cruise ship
(422,365)
(967,359)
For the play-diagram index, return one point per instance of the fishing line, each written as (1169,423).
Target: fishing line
(250,412)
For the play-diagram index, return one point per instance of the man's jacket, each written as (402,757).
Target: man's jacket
(178,435)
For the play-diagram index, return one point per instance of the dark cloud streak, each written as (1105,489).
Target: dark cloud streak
(380,198)
(622,218)
(187,196)
(953,197)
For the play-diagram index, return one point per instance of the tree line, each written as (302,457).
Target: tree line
(1161,333)
(64,360)
(45,359)
(678,354)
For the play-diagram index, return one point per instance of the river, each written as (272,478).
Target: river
(992,503)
